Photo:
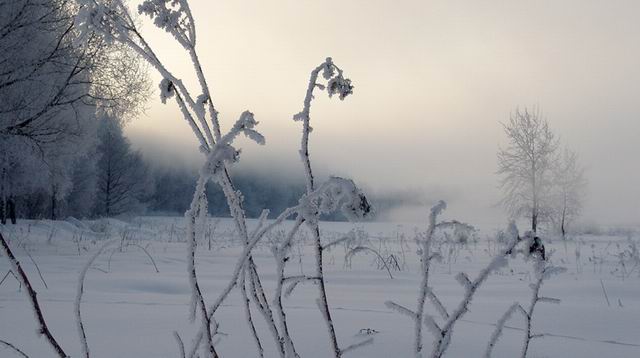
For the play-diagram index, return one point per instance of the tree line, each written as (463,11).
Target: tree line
(113,179)
(58,101)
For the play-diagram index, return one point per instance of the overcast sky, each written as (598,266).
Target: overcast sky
(433,80)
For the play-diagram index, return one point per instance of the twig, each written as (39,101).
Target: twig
(14,348)
(146,252)
(357,249)
(606,297)
(356,346)
(14,276)
(78,300)
(500,325)
(32,295)
(37,268)
(180,344)
(336,84)
(247,309)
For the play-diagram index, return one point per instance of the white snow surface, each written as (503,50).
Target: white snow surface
(129,310)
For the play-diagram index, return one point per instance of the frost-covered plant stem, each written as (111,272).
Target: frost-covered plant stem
(443,335)
(260,300)
(247,310)
(250,270)
(180,344)
(425,263)
(495,336)
(323,303)
(83,273)
(33,300)
(205,90)
(528,316)
(349,256)
(542,272)
(113,20)
(312,222)
(17,350)
(424,291)
(280,255)
(197,299)
(242,260)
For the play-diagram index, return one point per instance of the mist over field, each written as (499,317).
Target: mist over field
(433,81)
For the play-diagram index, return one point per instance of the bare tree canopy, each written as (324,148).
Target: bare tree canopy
(53,88)
(47,76)
(525,165)
(122,176)
(569,183)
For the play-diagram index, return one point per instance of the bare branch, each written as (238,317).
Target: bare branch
(32,296)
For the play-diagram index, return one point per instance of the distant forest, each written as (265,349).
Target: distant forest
(174,190)
(108,178)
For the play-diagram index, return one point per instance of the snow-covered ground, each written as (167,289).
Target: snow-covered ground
(130,310)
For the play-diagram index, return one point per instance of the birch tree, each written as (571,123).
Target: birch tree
(569,190)
(525,165)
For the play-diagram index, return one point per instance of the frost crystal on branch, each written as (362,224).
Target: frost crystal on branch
(223,152)
(340,86)
(173,16)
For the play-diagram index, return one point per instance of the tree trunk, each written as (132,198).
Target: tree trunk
(534,220)
(3,211)
(3,198)
(534,206)
(11,211)
(53,205)
(562,229)
(107,197)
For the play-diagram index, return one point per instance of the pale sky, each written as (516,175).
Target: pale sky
(433,79)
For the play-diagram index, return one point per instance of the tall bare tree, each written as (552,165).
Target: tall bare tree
(525,165)
(569,184)
(122,175)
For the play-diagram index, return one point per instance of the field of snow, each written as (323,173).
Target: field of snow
(130,310)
